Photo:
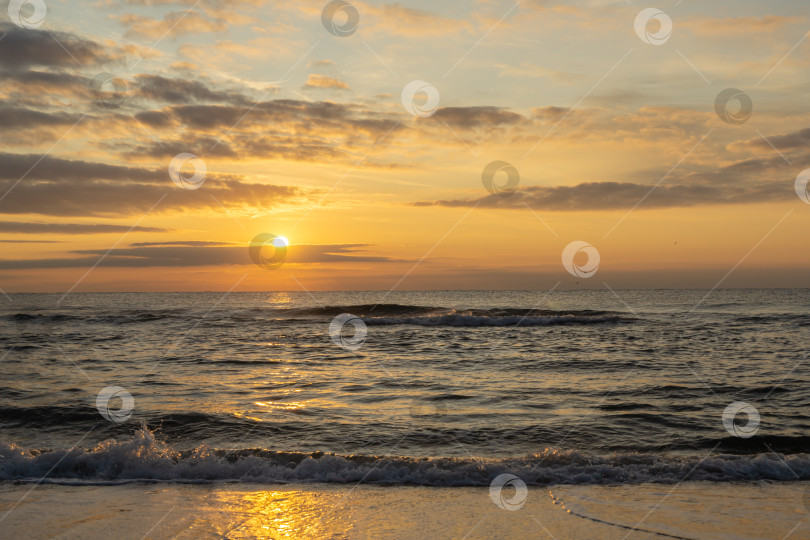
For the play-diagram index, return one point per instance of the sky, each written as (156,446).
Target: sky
(183,145)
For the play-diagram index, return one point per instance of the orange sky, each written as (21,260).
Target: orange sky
(366,150)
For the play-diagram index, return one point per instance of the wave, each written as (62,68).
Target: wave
(402,310)
(37,320)
(396,314)
(446,411)
(798,318)
(144,458)
(478,321)
(365,310)
(372,313)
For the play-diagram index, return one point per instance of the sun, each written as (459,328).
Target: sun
(281,241)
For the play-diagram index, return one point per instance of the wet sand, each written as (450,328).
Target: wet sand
(145,510)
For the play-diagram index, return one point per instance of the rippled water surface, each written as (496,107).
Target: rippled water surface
(567,386)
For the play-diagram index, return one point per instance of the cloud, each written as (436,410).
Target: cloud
(184,243)
(188,113)
(475,117)
(184,255)
(155,119)
(325,81)
(111,199)
(173,24)
(164,90)
(14,118)
(789,141)
(28,242)
(209,116)
(44,84)
(279,129)
(550,113)
(166,149)
(621,195)
(22,48)
(72,228)
(320,117)
(50,168)
(60,187)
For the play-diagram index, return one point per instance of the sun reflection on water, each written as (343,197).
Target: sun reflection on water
(280,299)
(270,514)
(287,406)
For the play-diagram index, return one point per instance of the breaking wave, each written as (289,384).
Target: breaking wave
(145,458)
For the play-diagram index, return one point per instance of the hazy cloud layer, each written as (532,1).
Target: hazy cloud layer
(73,228)
(173,90)
(474,117)
(616,196)
(184,255)
(60,187)
(789,141)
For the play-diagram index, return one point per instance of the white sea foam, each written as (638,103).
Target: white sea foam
(144,458)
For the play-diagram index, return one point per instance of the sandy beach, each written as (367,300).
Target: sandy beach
(148,510)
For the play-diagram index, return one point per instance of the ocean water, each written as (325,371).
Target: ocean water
(433,388)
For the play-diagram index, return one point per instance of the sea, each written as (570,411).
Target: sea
(418,388)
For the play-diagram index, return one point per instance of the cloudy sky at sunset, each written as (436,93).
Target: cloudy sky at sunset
(304,134)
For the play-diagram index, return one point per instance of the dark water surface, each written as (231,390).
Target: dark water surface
(451,386)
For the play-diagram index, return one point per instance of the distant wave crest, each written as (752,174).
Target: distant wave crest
(463,319)
(372,314)
(393,314)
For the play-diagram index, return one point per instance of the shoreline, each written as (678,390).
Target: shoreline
(234,510)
